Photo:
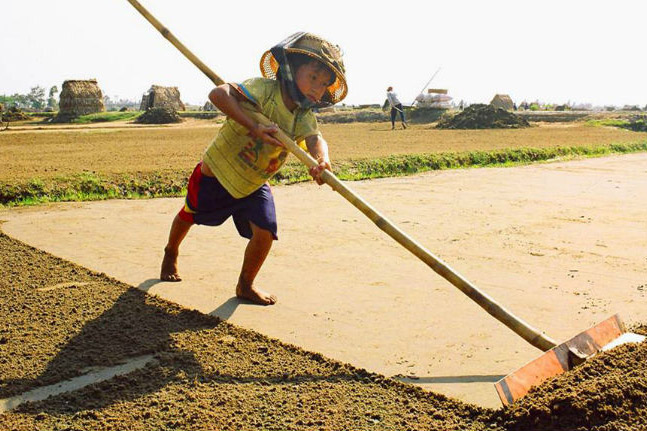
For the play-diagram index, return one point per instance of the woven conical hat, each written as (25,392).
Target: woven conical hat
(319,49)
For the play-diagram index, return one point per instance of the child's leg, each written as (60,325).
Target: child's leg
(255,254)
(179,229)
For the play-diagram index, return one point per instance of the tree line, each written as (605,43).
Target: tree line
(38,99)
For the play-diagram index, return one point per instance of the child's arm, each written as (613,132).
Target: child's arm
(318,148)
(225,98)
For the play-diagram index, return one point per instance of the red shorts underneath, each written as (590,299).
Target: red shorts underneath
(209,203)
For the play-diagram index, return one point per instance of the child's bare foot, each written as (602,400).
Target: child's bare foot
(255,295)
(169,267)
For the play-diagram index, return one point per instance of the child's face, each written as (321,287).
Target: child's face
(313,80)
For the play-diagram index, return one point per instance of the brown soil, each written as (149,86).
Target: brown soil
(480,116)
(59,319)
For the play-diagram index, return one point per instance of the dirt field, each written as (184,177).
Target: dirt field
(53,152)
(568,238)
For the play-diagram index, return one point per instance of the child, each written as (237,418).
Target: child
(300,73)
(396,107)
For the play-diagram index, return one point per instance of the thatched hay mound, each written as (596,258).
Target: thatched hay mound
(79,97)
(482,116)
(159,116)
(209,107)
(502,101)
(162,97)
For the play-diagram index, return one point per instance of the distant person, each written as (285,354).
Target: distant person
(396,107)
(300,73)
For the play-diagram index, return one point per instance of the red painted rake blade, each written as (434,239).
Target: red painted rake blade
(561,358)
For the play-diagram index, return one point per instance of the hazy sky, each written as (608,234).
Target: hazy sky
(553,51)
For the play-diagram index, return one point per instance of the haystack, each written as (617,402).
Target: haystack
(162,97)
(208,106)
(502,101)
(80,97)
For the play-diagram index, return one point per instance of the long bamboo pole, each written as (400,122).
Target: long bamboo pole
(521,328)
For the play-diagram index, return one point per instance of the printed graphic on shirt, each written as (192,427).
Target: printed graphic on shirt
(252,156)
(250,153)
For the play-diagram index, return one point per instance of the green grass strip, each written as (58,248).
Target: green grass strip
(411,164)
(105,117)
(91,186)
(637,124)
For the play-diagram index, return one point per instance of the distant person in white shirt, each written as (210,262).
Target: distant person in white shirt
(396,106)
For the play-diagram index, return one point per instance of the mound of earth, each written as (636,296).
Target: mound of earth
(14,114)
(60,319)
(607,392)
(159,115)
(424,115)
(62,118)
(482,116)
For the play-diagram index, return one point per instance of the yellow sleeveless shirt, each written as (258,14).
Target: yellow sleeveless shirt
(242,164)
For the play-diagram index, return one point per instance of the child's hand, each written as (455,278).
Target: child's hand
(266,134)
(316,171)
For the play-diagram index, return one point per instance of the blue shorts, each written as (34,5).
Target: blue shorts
(209,203)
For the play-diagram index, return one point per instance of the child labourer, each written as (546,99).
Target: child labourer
(302,72)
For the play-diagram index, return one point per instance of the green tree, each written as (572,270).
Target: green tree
(51,100)
(17,100)
(36,98)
